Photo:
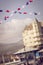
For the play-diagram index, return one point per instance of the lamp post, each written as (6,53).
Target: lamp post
(3,59)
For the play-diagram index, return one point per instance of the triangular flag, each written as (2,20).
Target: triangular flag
(35,13)
(23,6)
(15,11)
(30,0)
(5,18)
(27,3)
(20,12)
(24,12)
(7,11)
(11,15)
(30,13)
(1,10)
(18,9)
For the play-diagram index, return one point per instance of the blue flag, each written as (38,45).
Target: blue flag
(1,10)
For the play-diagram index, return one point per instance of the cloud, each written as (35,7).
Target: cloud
(12,31)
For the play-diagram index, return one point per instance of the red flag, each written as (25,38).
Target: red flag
(30,0)
(18,9)
(5,18)
(7,11)
(24,12)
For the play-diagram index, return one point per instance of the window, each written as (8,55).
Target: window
(37,54)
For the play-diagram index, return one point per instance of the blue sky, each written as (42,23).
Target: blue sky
(12,5)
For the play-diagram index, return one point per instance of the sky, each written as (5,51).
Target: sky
(12,5)
(11,29)
(11,32)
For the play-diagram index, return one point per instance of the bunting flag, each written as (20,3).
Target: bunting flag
(7,11)
(24,12)
(11,15)
(27,3)
(23,6)
(20,12)
(30,0)
(6,17)
(35,13)
(15,11)
(1,10)
(30,13)
(18,9)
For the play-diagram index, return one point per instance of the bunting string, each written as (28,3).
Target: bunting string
(18,11)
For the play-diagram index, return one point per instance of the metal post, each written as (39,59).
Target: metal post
(26,58)
(3,59)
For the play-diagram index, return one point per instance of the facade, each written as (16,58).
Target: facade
(33,36)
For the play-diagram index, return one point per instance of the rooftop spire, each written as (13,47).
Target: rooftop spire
(36,19)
